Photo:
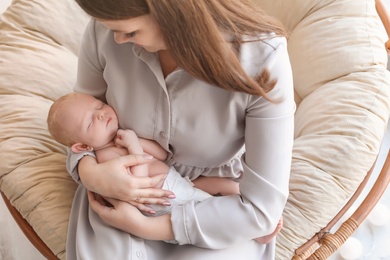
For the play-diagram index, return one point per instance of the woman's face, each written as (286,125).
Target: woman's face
(142,30)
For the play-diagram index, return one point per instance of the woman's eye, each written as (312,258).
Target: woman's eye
(130,34)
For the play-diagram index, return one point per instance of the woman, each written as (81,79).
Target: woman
(211,82)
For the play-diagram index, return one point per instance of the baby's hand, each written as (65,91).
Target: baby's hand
(125,138)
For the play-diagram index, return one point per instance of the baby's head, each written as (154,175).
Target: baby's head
(82,122)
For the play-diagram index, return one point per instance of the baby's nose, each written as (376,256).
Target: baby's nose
(101,115)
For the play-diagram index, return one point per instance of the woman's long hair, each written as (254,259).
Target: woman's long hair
(196,33)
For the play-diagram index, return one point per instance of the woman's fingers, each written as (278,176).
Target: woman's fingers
(149,196)
(129,193)
(151,201)
(143,207)
(134,159)
(147,182)
(151,193)
(127,187)
(121,215)
(268,238)
(96,205)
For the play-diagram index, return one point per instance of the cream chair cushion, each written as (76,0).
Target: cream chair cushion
(342,93)
(39,40)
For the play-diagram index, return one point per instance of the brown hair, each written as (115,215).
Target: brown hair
(55,120)
(194,32)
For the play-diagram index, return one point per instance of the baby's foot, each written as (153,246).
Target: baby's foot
(268,238)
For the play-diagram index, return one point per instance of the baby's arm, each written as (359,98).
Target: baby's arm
(148,146)
(129,140)
(153,148)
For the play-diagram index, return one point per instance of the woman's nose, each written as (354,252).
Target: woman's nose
(120,38)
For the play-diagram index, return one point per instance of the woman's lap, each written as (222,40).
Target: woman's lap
(90,238)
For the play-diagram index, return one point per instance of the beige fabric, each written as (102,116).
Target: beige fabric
(341,86)
(38,42)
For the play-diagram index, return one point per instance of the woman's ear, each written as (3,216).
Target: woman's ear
(79,147)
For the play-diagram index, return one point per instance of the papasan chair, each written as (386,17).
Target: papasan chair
(342,92)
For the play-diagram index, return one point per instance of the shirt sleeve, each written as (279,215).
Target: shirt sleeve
(90,81)
(91,64)
(72,161)
(219,222)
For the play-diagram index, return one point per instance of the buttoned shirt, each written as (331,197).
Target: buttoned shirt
(207,131)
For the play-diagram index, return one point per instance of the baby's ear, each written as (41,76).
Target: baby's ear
(79,147)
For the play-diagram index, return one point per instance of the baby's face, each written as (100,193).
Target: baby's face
(93,122)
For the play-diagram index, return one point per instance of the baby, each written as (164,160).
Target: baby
(84,123)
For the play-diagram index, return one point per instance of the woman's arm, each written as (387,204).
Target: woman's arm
(269,129)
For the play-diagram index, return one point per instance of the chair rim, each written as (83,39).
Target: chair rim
(324,243)
(28,231)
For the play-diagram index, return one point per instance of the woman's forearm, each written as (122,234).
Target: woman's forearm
(158,228)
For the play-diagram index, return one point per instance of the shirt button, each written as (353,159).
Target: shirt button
(139,254)
(162,134)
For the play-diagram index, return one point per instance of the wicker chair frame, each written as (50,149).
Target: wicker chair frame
(324,243)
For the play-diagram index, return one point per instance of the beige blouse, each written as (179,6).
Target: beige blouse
(207,130)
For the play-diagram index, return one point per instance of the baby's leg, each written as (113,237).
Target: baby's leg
(268,238)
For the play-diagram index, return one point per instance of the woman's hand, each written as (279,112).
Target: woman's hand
(127,218)
(111,179)
(268,238)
